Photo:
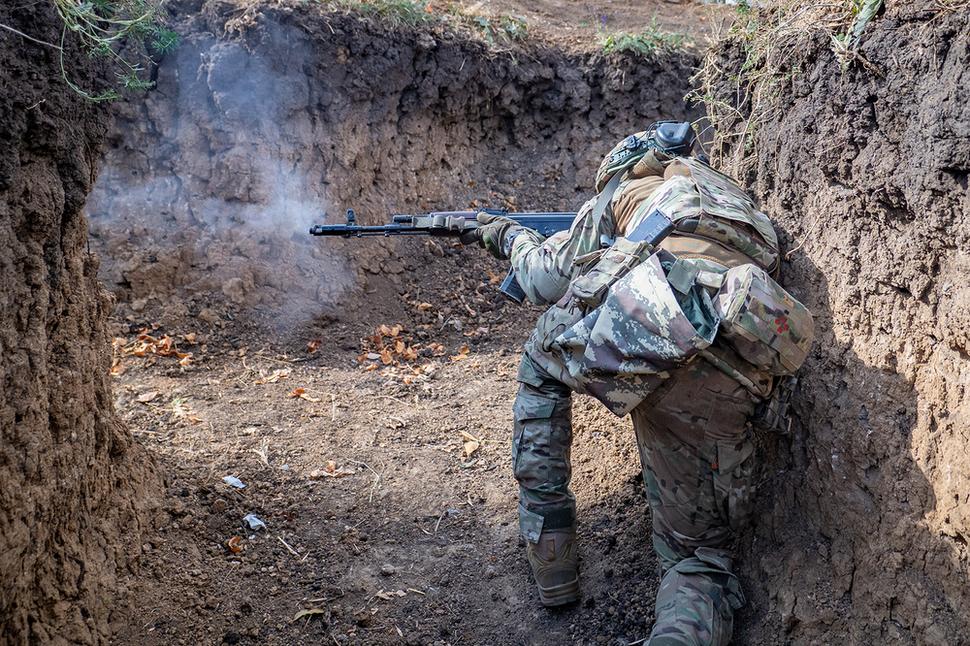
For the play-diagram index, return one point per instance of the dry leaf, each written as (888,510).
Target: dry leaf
(235,544)
(386,357)
(302,394)
(146,397)
(189,338)
(470,448)
(275,376)
(186,360)
(462,354)
(312,612)
(470,444)
(424,307)
(330,470)
(313,345)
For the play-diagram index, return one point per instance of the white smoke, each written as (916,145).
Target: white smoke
(215,177)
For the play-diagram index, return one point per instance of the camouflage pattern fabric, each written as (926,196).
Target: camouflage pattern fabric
(541,440)
(698,463)
(764,324)
(697,460)
(624,348)
(634,354)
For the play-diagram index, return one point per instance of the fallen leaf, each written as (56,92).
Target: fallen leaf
(189,338)
(275,376)
(424,307)
(235,544)
(386,357)
(311,612)
(372,366)
(470,448)
(462,354)
(186,360)
(493,278)
(297,392)
(470,444)
(117,368)
(330,470)
(146,397)
(313,345)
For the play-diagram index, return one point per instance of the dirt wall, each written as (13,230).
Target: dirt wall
(267,118)
(864,525)
(72,484)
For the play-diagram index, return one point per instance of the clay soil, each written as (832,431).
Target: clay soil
(389,506)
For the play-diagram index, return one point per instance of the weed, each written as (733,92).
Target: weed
(651,41)
(106,29)
(496,29)
(739,101)
(396,12)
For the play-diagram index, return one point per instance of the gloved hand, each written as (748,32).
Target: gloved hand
(493,233)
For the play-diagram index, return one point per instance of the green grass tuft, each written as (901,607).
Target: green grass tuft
(397,12)
(650,42)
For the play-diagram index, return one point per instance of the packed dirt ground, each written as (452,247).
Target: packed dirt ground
(386,493)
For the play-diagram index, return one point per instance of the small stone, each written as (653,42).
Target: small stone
(388,570)
(218,506)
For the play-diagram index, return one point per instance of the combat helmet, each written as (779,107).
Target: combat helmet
(664,140)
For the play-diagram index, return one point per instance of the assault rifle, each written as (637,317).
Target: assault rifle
(449,224)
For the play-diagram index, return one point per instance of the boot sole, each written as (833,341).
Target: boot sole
(560,595)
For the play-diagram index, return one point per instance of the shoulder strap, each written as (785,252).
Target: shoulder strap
(605,196)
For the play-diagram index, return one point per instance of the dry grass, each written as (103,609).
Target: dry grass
(740,100)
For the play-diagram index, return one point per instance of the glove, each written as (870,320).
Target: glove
(494,233)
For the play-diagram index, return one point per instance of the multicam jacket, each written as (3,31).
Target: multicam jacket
(623,349)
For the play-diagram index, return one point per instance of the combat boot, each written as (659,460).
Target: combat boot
(555,566)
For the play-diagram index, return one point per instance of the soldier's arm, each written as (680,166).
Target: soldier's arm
(544,266)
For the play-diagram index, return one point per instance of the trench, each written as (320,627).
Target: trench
(263,122)
(267,120)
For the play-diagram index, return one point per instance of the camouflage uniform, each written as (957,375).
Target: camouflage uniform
(690,417)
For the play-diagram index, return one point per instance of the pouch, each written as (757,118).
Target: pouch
(762,322)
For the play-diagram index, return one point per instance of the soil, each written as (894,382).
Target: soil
(582,24)
(865,530)
(72,482)
(260,128)
(377,519)
(405,537)
(377,457)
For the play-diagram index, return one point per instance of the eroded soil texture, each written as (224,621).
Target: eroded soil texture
(864,525)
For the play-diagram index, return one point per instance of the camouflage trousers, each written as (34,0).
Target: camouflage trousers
(697,461)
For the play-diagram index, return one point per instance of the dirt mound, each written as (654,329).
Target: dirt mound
(267,118)
(72,483)
(864,525)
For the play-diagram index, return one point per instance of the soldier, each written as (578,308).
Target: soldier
(692,427)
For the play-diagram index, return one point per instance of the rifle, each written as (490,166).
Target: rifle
(450,224)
